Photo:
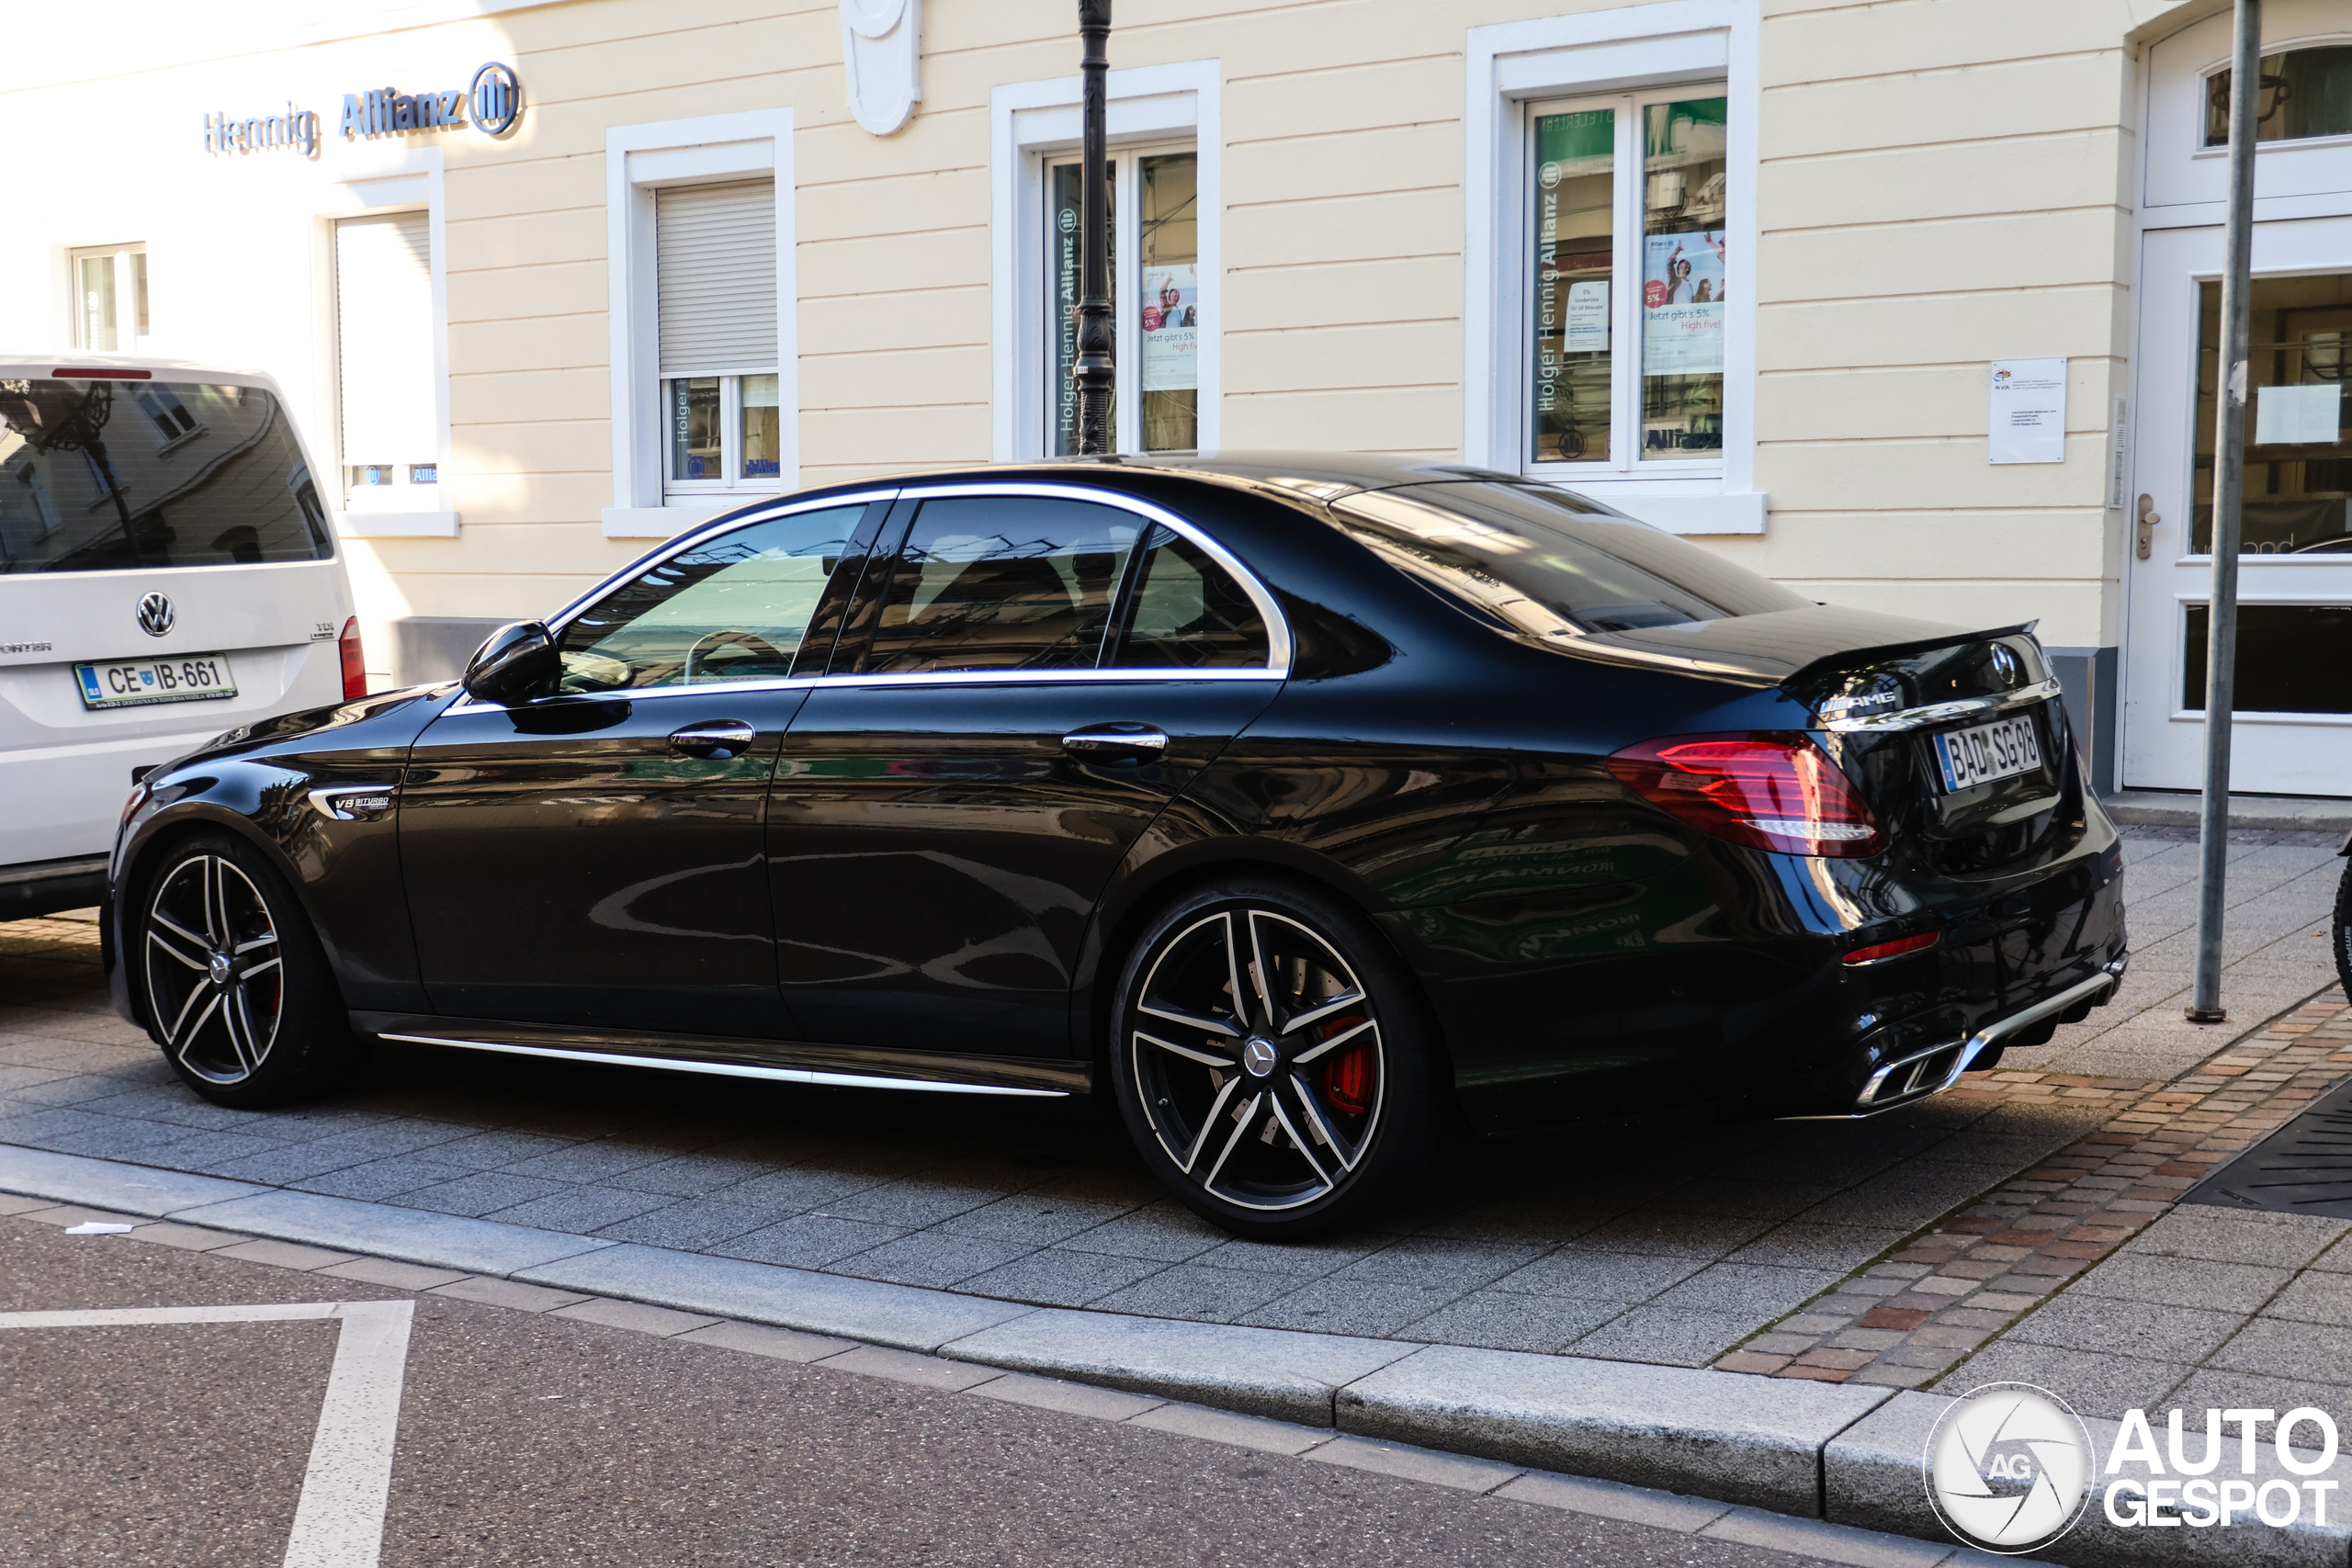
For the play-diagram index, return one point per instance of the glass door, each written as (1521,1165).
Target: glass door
(2293,709)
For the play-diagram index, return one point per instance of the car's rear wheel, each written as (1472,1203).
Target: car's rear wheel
(238,992)
(1274,1062)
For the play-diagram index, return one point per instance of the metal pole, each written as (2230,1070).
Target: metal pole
(2229,488)
(1093,371)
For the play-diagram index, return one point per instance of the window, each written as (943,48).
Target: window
(1629,249)
(232,489)
(1542,564)
(384,362)
(2297,456)
(1002,583)
(165,411)
(716,256)
(1155,301)
(731,608)
(1187,612)
(110,299)
(2305,93)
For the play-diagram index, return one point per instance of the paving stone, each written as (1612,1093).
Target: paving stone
(808,1241)
(1233,1430)
(1758,1293)
(2219,1287)
(393,1177)
(1667,1336)
(1194,1290)
(910,1204)
(2239,1235)
(399,1276)
(1295,1261)
(2320,1352)
(2219,1389)
(1589,1275)
(1164,1232)
(1072,1398)
(493,1150)
(635,1317)
(478,1195)
(506,1293)
(2093,1383)
(2113,1327)
(698,1223)
(284,1255)
(1031,1219)
(1804,1244)
(1426,1465)
(1053,1277)
(1368,1308)
(581,1209)
(1440,1261)
(1706,1237)
(1502,1321)
(2315,1296)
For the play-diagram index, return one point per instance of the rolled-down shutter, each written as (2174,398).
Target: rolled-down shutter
(716,248)
(383,299)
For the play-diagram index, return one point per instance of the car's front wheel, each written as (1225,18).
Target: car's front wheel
(238,991)
(1273,1061)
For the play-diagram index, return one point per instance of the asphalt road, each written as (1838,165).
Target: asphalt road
(525,1440)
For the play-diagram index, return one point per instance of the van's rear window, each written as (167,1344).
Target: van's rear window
(99,475)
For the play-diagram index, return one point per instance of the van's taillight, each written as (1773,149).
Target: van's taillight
(99,372)
(1769,790)
(355,663)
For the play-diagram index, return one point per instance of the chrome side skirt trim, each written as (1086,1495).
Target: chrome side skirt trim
(1944,713)
(732,1069)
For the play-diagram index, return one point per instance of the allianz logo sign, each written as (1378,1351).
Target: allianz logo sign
(491,103)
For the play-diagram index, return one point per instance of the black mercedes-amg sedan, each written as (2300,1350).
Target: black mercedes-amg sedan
(1312,807)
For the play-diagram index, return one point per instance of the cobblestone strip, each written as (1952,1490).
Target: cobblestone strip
(1910,1317)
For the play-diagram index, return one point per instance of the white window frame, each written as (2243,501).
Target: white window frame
(1154,108)
(377,183)
(1627,56)
(117,259)
(638,160)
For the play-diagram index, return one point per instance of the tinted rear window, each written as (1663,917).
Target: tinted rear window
(1545,563)
(100,475)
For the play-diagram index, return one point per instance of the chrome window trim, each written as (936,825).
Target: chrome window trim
(1945,713)
(1278,637)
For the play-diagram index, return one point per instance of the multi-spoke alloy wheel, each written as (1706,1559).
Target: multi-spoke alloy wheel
(214,972)
(1263,1069)
(238,993)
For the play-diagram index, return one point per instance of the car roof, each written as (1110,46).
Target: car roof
(16,365)
(1314,476)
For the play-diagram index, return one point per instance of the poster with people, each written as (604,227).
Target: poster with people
(1683,285)
(1172,328)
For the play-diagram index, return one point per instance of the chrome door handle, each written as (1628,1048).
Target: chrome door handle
(2147,524)
(720,740)
(1117,743)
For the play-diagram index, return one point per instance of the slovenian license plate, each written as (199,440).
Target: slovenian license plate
(136,682)
(1997,750)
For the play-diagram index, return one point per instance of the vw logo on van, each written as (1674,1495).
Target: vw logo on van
(156,616)
(495,96)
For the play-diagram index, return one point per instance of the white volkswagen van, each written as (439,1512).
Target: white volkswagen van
(167,572)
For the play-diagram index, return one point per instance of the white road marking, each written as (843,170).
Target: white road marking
(339,1521)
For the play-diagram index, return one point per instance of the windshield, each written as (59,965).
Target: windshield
(1545,563)
(99,475)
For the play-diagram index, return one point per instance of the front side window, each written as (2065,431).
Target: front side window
(731,608)
(1156,301)
(92,478)
(2305,93)
(1628,266)
(716,256)
(1548,565)
(110,299)
(1001,582)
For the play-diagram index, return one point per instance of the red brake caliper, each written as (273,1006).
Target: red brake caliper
(1348,1077)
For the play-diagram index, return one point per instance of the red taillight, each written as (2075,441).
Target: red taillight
(1894,948)
(1769,790)
(100,373)
(355,663)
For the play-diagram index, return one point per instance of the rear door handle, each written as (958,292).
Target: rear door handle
(1117,743)
(720,740)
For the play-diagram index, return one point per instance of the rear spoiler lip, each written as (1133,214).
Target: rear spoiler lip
(1832,662)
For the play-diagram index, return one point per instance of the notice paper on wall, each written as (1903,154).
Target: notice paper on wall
(2298,416)
(2029,414)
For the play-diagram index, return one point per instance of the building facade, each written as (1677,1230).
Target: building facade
(1910,304)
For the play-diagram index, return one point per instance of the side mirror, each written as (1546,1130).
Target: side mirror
(517,663)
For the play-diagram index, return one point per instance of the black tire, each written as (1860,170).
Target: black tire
(1333,1084)
(237,989)
(2342,933)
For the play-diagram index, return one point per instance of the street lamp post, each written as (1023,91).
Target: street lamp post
(1093,371)
(2229,492)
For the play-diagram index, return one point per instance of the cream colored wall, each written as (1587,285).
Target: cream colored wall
(1943,182)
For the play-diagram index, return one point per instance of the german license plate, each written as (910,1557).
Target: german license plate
(1979,755)
(138,682)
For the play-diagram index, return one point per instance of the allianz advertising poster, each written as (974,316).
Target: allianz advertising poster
(1682,304)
